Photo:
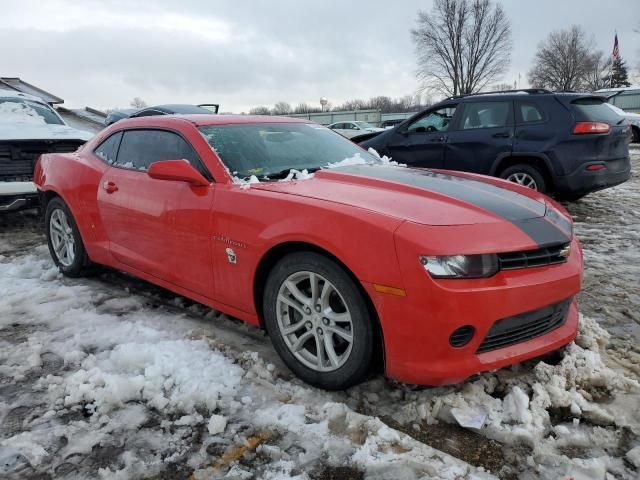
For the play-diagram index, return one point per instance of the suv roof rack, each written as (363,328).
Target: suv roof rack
(517,90)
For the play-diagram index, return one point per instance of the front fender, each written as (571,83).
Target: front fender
(362,240)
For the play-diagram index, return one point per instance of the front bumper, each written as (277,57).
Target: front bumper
(417,327)
(18,196)
(583,181)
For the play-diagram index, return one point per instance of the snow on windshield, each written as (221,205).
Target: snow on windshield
(14,111)
(19,112)
(375,159)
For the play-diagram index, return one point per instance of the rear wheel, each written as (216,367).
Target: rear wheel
(635,135)
(318,321)
(63,238)
(525,175)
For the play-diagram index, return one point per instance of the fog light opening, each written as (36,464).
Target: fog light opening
(461,336)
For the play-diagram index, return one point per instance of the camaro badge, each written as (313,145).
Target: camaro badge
(231,255)
(565,252)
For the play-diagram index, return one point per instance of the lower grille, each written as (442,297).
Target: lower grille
(525,326)
(533,258)
(18,159)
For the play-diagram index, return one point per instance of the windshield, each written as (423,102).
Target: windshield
(364,125)
(18,110)
(269,149)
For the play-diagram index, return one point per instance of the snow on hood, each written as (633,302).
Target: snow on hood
(42,131)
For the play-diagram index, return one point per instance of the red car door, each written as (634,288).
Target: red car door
(160,227)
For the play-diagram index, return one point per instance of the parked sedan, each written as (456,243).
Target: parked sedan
(632,118)
(433,275)
(353,129)
(170,109)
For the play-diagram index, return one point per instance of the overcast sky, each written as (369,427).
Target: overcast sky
(245,53)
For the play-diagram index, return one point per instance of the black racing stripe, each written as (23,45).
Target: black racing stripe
(543,232)
(525,213)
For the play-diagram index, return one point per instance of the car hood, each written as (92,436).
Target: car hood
(432,198)
(29,131)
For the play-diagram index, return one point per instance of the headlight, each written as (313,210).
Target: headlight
(460,266)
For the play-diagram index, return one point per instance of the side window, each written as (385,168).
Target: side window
(485,115)
(529,113)
(107,151)
(337,126)
(435,121)
(140,148)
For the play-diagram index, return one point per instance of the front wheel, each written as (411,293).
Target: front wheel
(318,321)
(525,175)
(63,238)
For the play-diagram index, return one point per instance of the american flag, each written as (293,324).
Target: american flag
(616,50)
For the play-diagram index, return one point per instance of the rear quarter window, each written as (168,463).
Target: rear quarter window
(594,110)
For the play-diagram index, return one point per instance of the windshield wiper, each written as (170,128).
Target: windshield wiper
(284,173)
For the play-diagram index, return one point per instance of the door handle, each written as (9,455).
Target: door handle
(109,187)
(438,139)
(501,135)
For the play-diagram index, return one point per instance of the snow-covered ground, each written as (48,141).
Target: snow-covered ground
(110,377)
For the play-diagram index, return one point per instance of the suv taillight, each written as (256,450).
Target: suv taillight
(591,127)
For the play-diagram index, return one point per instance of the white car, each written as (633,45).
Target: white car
(632,118)
(354,128)
(29,127)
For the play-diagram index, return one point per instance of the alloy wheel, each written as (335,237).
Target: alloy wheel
(523,179)
(314,321)
(62,238)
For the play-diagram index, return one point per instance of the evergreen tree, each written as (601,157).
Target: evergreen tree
(619,74)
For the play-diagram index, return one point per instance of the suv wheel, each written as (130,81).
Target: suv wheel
(525,175)
(318,321)
(63,238)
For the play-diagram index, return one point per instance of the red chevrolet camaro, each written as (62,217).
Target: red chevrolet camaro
(433,275)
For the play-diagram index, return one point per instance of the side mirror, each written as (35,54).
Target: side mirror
(177,171)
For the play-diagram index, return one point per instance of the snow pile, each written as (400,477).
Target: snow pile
(97,383)
(246,181)
(579,403)
(19,112)
(356,159)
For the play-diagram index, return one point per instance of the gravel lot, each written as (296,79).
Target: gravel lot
(112,377)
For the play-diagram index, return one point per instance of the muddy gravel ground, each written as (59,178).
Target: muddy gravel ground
(585,428)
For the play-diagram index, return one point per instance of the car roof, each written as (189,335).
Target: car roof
(178,108)
(201,120)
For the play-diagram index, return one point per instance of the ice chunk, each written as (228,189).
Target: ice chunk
(633,456)
(516,406)
(217,424)
(470,417)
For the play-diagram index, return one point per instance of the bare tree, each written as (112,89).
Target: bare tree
(356,104)
(260,111)
(137,102)
(599,72)
(305,108)
(462,45)
(281,108)
(563,61)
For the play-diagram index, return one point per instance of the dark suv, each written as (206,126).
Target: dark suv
(567,144)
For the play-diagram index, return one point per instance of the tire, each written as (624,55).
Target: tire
(61,228)
(635,135)
(341,363)
(530,175)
